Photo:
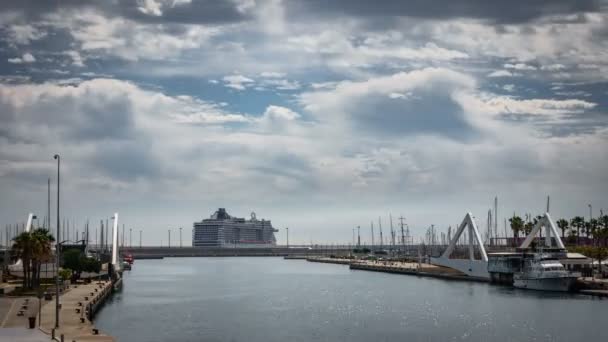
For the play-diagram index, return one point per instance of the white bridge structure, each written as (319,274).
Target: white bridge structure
(479,267)
(471,266)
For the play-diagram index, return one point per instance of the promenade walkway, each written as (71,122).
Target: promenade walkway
(73,322)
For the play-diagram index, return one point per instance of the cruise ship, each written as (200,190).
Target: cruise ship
(222,230)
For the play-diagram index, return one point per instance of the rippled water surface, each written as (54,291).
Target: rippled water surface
(271,299)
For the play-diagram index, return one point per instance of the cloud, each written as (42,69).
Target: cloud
(145,11)
(509,87)
(520,66)
(514,12)
(238,82)
(128,39)
(495,105)
(77,59)
(26,58)
(553,67)
(272,74)
(24,34)
(370,107)
(501,73)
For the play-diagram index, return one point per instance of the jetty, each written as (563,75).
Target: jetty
(79,303)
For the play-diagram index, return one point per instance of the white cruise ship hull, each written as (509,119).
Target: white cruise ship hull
(562,284)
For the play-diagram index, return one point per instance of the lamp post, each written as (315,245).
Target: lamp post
(140,238)
(287,229)
(180,237)
(57,249)
(130,237)
(169,230)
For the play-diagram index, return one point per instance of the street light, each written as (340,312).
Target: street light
(169,230)
(130,237)
(180,237)
(140,238)
(57,249)
(287,236)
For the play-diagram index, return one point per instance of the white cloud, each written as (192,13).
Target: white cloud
(272,74)
(509,87)
(553,67)
(77,59)
(492,104)
(238,82)
(127,39)
(520,66)
(24,34)
(155,7)
(501,73)
(26,58)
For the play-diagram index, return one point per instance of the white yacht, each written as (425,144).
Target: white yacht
(542,272)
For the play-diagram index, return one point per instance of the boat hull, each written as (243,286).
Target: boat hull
(561,284)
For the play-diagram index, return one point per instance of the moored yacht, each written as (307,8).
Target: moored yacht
(544,272)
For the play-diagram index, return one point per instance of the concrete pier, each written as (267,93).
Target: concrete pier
(410,268)
(78,305)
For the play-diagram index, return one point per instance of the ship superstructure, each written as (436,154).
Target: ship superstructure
(223,230)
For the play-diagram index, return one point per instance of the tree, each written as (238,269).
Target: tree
(41,252)
(75,260)
(577,223)
(517,225)
(22,248)
(33,248)
(71,259)
(563,225)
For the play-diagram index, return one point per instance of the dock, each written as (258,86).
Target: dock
(79,303)
(330,260)
(411,268)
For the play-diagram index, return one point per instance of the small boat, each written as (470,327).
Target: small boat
(128,258)
(545,273)
(126,266)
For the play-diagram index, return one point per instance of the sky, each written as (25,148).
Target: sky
(318,115)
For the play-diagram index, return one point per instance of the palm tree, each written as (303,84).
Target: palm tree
(563,225)
(22,248)
(517,225)
(577,223)
(42,240)
(33,248)
(604,229)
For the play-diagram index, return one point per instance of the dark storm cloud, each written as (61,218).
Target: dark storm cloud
(501,12)
(196,12)
(125,160)
(427,112)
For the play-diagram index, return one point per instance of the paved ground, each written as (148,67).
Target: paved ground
(69,320)
(10,309)
(22,335)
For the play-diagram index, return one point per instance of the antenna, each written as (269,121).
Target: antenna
(496,217)
(372,234)
(380,227)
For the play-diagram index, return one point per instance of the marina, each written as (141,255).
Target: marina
(190,298)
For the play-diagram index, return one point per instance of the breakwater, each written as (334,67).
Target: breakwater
(164,252)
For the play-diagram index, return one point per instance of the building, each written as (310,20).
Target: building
(223,230)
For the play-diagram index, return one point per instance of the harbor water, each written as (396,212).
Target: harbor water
(271,299)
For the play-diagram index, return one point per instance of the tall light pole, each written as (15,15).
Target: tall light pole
(57,250)
(169,230)
(140,238)
(180,237)
(130,237)
(590,212)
